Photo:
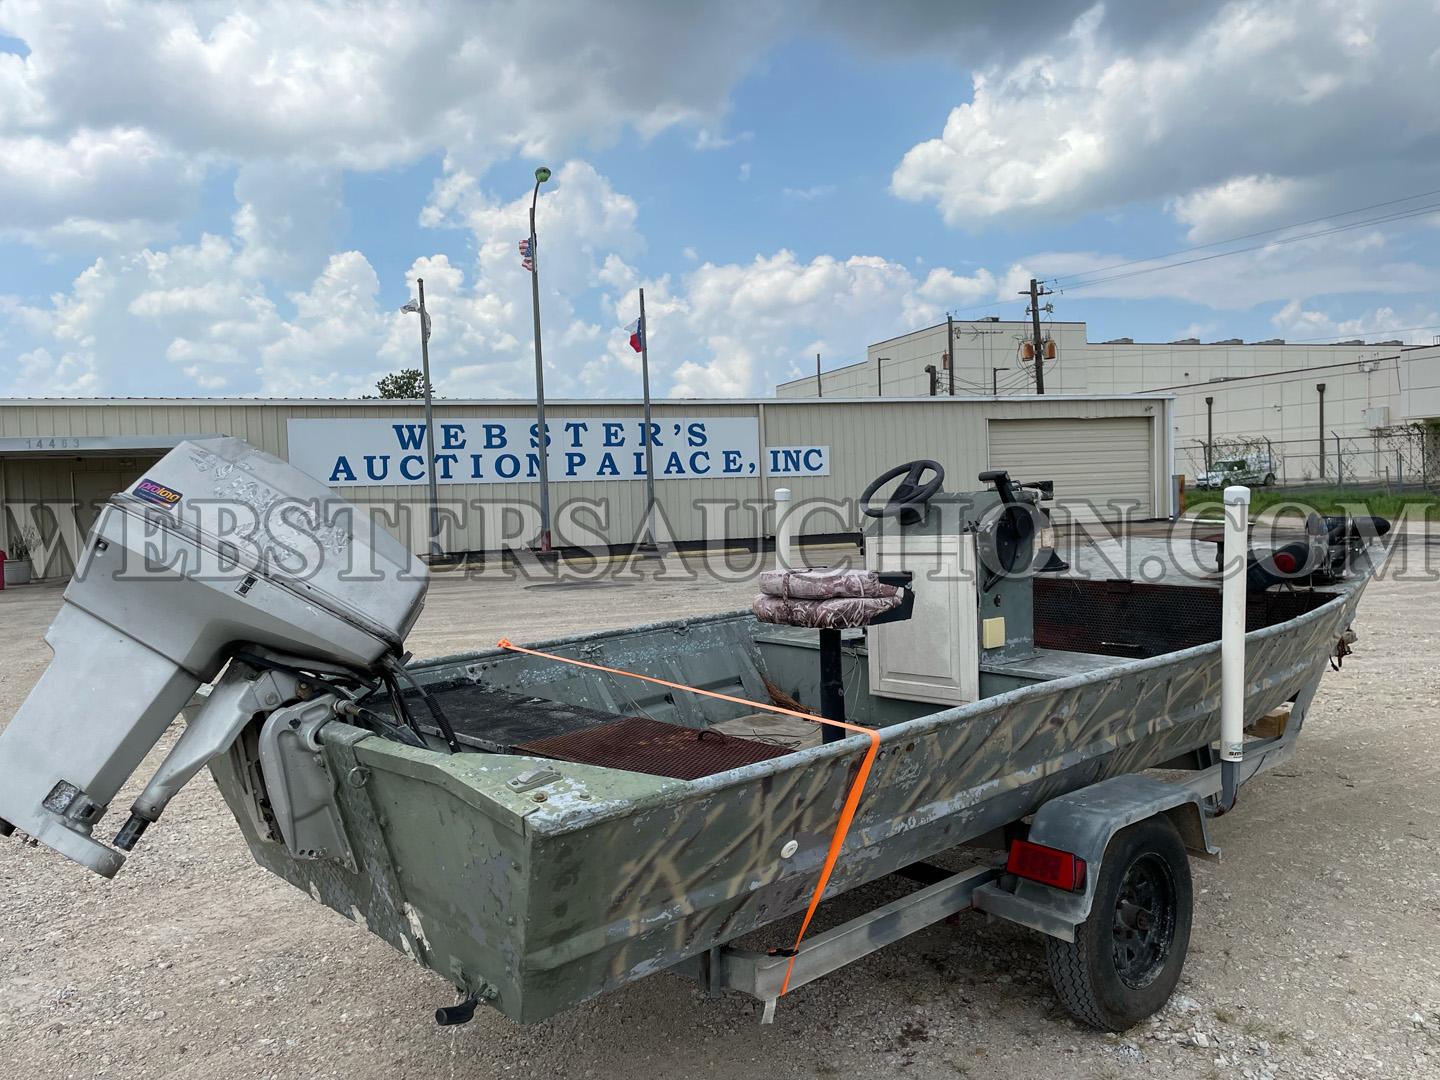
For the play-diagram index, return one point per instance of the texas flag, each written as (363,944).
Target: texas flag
(636,330)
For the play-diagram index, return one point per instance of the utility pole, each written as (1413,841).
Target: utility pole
(1035,292)
(950,344)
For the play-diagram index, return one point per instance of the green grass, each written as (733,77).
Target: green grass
(1325,500)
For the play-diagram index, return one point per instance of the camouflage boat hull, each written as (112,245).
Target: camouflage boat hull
(538,900)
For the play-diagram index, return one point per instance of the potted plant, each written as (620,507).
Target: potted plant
(17,563)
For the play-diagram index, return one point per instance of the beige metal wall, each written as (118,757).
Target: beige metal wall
(864,438)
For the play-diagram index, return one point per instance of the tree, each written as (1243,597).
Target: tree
(408,383)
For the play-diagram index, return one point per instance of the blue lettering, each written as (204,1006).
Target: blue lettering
(698,435)
(731,462)
(409,436)
(476,472)
(792,461)
(507,466)
(673,465)
(533,460)
(654,435)
(445,461)
(614,433)
(370,460)
(698,458)
(607,466)
(419,464)
(495,437)
(535,435)
(452,436)
(342,471)
(573,463)
(814,459)
(576,428)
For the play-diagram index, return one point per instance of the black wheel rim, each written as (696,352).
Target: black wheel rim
(1144,926)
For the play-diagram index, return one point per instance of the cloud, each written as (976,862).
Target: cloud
(1289,264)
(113,184)
(1263,96)
(1414,325)
(732,329)
(808,194)
(1228,208)
(126,112)
(705,139)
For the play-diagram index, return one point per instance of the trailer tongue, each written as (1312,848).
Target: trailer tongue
(542,823)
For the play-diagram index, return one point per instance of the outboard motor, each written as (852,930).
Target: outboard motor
(220,554)
(1322,557)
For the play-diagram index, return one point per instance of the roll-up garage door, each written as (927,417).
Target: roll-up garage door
(1094,463)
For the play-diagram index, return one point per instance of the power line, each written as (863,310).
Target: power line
(1252,235)
(1416,212)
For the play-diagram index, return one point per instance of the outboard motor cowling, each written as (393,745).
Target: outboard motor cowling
(219,549)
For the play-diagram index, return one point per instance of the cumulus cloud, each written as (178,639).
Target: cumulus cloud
(1264,97)
(732,329)
(112,184)
(125,113)
(1414,324)
(201,317)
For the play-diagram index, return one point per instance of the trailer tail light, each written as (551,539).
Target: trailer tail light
(1047,865)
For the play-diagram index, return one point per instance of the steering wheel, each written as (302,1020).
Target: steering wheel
(909,499)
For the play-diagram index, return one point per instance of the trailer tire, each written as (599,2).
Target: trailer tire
(1126,958)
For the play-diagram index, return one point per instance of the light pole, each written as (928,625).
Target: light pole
(541,175)
(419,306)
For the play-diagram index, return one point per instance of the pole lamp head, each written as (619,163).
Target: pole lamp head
(542,174)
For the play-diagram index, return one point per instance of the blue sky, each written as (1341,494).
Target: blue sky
(239,207)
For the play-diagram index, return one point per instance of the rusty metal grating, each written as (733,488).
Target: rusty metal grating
(654,747)
(1140,619)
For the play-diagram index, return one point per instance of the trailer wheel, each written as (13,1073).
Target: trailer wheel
(1269,480)
(1126,957)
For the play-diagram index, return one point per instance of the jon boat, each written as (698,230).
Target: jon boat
(538,832)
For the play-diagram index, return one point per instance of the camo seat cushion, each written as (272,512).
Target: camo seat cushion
(838,613)
(824,584)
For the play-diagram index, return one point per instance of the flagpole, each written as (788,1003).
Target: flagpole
(429,421)
(541,175)
(649,448)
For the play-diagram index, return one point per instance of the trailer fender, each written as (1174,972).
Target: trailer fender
(1083,823)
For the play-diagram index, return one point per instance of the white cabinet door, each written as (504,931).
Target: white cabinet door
(934,655)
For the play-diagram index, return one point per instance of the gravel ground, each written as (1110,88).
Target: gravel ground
(1316,949)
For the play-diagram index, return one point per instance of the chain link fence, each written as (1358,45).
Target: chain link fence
(1396,457)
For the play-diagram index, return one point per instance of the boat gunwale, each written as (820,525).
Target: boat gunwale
(920,725)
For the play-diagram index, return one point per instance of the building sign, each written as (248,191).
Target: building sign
(797,460)
(367,453)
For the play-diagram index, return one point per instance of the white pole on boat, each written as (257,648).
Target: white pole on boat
(784,531)
(1232,639)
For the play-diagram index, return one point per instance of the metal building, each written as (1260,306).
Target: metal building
(717,463)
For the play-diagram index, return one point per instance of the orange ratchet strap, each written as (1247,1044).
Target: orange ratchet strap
(847,811)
